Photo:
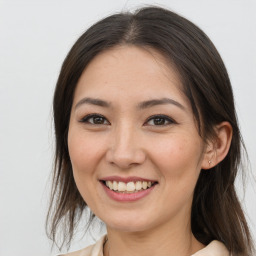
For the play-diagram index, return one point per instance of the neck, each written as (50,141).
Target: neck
(164,241)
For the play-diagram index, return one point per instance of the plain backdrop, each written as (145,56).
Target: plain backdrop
(35,36)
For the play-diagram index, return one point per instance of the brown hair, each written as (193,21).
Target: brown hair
(216,211)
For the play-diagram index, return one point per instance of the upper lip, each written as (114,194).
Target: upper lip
(126,179)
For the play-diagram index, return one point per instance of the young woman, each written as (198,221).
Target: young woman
(147,138)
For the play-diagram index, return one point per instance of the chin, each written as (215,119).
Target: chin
(128,228)
(128,224)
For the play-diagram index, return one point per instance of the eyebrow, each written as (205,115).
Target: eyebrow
(92,101)
(142,105)
(155,102)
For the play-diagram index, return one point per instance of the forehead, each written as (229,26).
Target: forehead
(129,71)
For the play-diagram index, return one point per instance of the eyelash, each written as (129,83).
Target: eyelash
(154,117)
(162,117)
(88,117)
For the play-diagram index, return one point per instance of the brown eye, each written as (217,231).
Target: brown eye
(160,120)
(95,119)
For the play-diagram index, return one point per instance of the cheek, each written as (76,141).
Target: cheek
(84,152)
(177,163)
(178,160)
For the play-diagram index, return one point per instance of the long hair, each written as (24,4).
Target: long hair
(216,211)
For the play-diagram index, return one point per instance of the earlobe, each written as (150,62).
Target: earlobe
(217,149)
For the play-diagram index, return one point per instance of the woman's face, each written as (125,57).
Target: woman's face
(134,147)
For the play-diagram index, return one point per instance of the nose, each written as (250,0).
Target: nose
(125,149)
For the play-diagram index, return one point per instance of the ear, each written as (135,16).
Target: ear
(217,149)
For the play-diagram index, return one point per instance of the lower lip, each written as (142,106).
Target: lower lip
(127,197)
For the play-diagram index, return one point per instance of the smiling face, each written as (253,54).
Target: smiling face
(131,126)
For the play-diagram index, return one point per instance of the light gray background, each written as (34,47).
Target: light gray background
(35,36)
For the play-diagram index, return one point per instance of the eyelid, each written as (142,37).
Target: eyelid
(87,117)
(169,119)
(165,117)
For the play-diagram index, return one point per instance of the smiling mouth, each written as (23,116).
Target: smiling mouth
(129,187)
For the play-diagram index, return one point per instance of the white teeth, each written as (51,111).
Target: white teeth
(144,184)
(109,184)
(138,185)
(128,187)
(115,185)
(121,186)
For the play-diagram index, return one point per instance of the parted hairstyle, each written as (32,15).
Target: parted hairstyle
(216,211)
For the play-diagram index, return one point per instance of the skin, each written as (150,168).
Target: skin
(128,142)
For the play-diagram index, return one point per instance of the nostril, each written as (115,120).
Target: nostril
(125,158)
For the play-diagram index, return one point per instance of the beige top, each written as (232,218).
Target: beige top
(215,248)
